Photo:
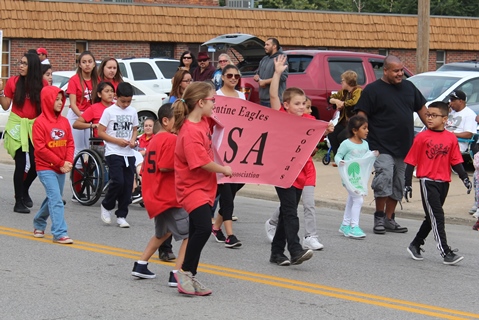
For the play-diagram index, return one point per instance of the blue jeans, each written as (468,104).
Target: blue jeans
(52,205)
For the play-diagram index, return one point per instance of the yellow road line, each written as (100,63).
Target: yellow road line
(370,299)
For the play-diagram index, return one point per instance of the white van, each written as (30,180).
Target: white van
(155,73)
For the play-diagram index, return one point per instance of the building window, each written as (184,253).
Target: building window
(161,50)
(440,58)
(81,46)
(5,59)
(383,52)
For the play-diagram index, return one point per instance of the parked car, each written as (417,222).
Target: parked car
(145,101)
(437,86)
(470,65)
(3,119)
(317,72)
(155,73)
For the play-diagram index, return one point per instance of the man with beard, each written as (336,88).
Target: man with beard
(265,72)
(389,104)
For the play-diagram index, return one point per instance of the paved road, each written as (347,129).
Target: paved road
(350,279)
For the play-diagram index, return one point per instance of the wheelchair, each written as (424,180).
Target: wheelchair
(89,176)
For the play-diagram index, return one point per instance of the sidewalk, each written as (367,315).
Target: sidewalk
(331,194)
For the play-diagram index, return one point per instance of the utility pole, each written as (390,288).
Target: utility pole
(422,52)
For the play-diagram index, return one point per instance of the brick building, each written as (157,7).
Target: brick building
(165,28)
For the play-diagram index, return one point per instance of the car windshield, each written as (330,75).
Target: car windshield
(432,87)
(59,81)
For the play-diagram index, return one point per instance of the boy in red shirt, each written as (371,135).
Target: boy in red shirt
(159,196)
(54,147)
(434,151)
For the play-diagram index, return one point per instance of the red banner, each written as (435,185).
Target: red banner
(261,145)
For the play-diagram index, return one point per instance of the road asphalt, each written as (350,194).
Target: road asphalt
(330,193)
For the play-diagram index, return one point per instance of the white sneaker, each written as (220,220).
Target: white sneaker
(476,214)
(122,223)
(473,210)
(270,230)
(105,215)
(312,243)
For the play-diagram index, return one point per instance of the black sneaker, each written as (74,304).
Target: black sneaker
(279,259)
(27,201)
(218,234)
(452,258)
(166,256)
(392,226)
(20,207)
(415,252)
(141,271)
(136,196)
(301,256)
(379,223)
(232,242)
(172,280)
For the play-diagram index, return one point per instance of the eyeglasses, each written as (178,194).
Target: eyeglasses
(223,61)
(21,63)
(434,116)
(189,80)
(188,58)
(203,60)
(230,75)
(211,99)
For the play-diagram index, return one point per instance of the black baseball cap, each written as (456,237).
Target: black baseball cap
(457,95)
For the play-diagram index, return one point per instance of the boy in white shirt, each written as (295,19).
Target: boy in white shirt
(118,128)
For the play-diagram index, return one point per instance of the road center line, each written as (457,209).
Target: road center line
(338,293)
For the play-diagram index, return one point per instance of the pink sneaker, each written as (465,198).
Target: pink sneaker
(476,226)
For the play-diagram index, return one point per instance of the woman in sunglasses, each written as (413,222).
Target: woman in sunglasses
(181,80)
(188,62)
(223,61)
(227,191)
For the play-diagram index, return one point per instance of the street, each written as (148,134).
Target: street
(374,278)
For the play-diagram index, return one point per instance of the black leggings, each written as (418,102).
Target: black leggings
(337,136)
(21,185)
(227,193)
(200,229)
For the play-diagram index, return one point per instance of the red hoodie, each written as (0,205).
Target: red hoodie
(52,134)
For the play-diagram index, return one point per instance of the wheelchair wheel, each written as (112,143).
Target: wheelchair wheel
(326,159)
(87,177)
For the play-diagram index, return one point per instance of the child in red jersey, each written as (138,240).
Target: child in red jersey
(434,151)
(53,141)
(159,196)
(195,175)
(104,98)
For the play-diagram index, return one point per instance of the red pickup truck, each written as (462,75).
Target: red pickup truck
(317,72)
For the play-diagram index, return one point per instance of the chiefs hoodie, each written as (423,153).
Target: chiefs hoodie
(52,135)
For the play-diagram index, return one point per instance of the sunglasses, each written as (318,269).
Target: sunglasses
(203,60)
(188,58)
(230,75)
(222,61)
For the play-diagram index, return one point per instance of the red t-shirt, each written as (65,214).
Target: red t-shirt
(158,188)
(83,95)
(113,82)
(29,110)
(144,140)
(93,115)
(434,152)
(307,175)
(194,185)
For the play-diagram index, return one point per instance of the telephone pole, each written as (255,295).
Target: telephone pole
(422,52)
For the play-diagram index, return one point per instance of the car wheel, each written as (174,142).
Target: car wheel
(142,116)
